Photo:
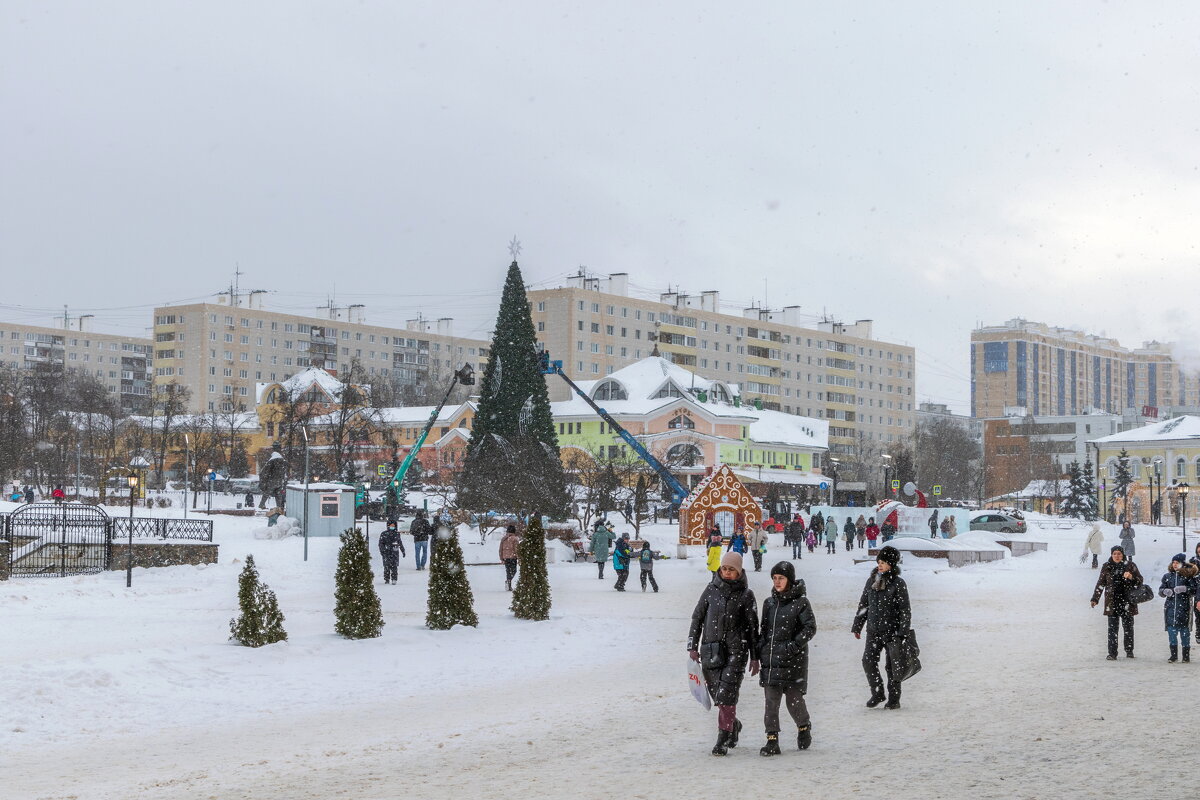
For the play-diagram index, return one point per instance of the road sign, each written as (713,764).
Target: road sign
(895,485)
(937,490)
(212,476)
(824,486)
(381,470)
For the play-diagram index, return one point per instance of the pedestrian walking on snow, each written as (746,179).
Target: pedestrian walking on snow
(831,533)
(1195,562)
(810,540)
(646,565)
(602,540)
(1178,586)
(860,530)
(933,524)
(1118,578)
(1126,535)
(944,527)
(795,536)
(420,530)
(849,530)
(872,533)
(622,552)
(788,624)
(391,547)
(757,542)
(715,543)
(1093,544)
(737,542)
(508,555)
(885,611)
(723,637)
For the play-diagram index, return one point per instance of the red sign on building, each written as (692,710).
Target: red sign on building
(1150,411)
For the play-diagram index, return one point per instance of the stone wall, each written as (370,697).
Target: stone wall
(163,554)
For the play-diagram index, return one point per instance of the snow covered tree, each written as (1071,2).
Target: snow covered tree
(1072,504)
(512,460)
(640,503)
(1122,482)
(450,600)
(260,621)
(1087,481)
(531,597)
(357,612)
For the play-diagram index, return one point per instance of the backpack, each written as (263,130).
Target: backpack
(647,556)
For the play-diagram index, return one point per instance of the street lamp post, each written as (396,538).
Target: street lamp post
(187,458)
(1156,518)
(133,483)
(833,476)
(304,430)
(1183,493)
(211,478)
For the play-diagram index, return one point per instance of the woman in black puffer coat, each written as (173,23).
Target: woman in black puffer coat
(885,611)
(724,637)
(787,625)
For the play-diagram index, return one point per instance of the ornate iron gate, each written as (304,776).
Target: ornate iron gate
(58,539)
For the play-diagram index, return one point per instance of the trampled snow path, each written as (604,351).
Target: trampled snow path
(117,695)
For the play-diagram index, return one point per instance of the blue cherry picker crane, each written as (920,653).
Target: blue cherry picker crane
(678,492)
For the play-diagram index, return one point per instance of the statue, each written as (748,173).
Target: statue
(272,478)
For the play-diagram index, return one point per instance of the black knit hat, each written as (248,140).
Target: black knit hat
(786,569)
(511,529)
(1117,547)
(889,555)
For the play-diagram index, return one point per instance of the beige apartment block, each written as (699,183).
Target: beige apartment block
(220,350)
(1050,371)
(833,371)
(122,363)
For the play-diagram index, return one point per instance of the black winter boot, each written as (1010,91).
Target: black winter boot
(771,748)
(893,702)
(1174,654)
(722,746)
(1187,654)
(875,700)
(733,734)
(804,737)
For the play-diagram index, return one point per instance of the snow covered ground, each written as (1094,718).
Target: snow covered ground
(116,693)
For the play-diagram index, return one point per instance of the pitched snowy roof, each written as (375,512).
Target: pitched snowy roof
(645,377)
(300,383)
(1184,427)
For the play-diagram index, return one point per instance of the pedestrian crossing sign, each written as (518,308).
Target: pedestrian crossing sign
(937,490)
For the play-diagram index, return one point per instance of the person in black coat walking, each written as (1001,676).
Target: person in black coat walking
(885,611)
(1178,586)
(391,548)
(787,625)
(1195,562)
(1118,578)
(795,536)
(420,530)
(723,637)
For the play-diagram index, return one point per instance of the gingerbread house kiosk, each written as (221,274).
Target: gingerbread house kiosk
(719,500)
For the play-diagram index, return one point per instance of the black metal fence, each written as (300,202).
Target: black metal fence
(158,528)
(59,539)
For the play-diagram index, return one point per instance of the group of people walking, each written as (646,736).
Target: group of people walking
(1122,587)
(391,546)
(604,538)
(729,638)
(861,532)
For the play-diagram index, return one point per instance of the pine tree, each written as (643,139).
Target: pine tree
(260,621)
(1122,482)
(450,600)
(531,597)
(357,612)
(1072,505)
(512,460)
(1087,482)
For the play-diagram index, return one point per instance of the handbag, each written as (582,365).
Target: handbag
(713,655)
(696,685)
(1141,594)
(904,656)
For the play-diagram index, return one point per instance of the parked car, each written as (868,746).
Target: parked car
(996,521)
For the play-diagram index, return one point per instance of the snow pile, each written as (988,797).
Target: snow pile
(283,527)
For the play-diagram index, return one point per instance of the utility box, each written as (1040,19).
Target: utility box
(324,509)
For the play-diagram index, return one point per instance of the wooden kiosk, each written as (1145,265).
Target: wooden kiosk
(721,500)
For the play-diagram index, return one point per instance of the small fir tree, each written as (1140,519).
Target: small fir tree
(356,609)
(450,600)
(1087,481)
(260,621)
(1072,505)
(531,597)
(1122,482)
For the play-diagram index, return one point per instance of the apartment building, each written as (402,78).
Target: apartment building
(832,371)
(221,350)
(122,363)
(1061,372)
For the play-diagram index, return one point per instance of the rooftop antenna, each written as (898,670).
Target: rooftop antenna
(66,318)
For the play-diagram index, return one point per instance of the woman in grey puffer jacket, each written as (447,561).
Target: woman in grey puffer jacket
(787,625)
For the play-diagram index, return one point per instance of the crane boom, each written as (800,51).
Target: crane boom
(677,490)
(466,376)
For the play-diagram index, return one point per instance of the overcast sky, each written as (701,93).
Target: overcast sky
(931,166)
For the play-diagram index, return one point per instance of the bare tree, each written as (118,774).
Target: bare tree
(946,455)
(170,403)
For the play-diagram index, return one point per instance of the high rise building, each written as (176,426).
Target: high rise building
(1049,371)
(121,363)
(221,350)
(830,370)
